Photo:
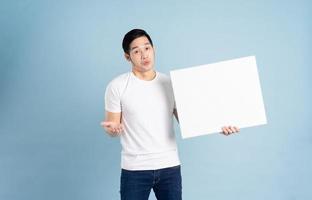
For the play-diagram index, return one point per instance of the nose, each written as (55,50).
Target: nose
(144,54)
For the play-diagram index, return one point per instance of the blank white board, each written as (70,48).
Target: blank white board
(211,96)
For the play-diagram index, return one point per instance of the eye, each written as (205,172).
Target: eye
(136,52)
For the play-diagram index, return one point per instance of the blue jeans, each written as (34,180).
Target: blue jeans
(166,184)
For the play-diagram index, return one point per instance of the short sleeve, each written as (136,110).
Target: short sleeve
(112,99)
(172,93)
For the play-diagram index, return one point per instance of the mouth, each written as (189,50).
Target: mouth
(146,62)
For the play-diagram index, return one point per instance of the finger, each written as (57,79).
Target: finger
(106,124)
(228,129)
(118,130)
(236,128)
(115,130)
(224,131)
(233,130)
(112,132)
(121,127)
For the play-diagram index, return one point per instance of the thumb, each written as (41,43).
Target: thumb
(106,123)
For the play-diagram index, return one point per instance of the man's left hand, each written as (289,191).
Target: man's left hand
(228,130)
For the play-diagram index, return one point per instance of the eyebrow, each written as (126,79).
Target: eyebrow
(147,43)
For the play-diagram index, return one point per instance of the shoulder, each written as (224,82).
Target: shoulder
(164,79)
(117,84)
(119,80)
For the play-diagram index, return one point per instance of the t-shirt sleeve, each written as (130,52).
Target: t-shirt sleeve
(112,98)
(172,93)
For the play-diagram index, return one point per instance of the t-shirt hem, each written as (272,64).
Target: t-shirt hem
(151,167)
(151,161)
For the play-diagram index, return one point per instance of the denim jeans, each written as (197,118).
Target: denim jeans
(166,184)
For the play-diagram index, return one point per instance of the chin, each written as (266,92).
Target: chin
(146,68)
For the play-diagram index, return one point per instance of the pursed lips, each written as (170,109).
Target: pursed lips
(146,62)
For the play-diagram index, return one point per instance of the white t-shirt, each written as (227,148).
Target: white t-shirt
(148,141)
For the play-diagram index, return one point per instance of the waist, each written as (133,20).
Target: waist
(150,160)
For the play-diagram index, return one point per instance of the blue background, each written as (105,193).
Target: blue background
(57,57)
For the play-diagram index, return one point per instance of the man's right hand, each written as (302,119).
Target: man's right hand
(113,128)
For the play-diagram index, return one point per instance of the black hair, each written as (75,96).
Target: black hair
(132,35)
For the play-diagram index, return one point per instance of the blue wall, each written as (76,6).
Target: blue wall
(56,58)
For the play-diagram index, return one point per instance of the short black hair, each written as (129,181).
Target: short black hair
(132,35)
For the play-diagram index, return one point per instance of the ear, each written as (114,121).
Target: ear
(127,56)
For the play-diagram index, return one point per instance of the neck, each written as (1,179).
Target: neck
(147,75)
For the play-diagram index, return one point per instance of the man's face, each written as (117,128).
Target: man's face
(141,54)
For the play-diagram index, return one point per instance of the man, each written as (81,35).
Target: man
(139,108)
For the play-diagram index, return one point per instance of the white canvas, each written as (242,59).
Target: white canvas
(219,94)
